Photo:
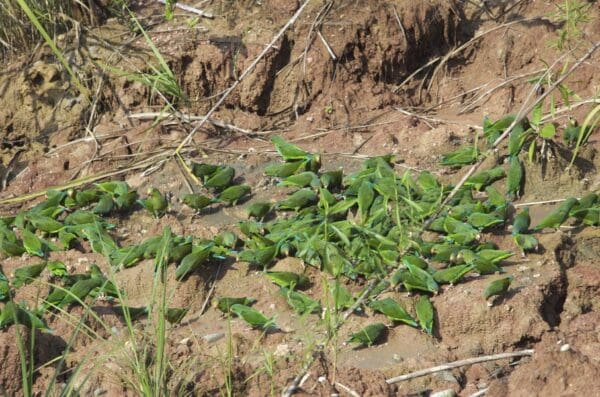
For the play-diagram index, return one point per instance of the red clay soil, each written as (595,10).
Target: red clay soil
(369,100)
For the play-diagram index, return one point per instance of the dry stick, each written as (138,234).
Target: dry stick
(241,78)
(480,393)
(347,389)
(190,118)
(428,119)
(570,107)
(525,110)
(327,47)
(193,10)
(400,25)
(416,72)
(480,97)
(452,53)
(316,22)
(210,292)
(459,363)
(539,202)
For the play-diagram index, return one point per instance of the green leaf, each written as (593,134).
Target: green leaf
(531,151)
(393,311)
(341,207)
(424,310)
(548,131)
(326,199)
(536,114)
(369,335)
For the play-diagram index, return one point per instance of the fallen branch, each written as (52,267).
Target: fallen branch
(459,363)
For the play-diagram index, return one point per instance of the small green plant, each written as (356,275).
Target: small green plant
(570,15)
(161,80)
(591,122)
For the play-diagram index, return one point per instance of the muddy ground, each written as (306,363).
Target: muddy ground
(349,92)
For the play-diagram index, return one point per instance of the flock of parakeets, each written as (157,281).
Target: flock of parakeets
(362,226)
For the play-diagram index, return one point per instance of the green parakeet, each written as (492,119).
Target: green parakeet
(521,222)
(369,335)
(156,203)
(233,194)
(197,201)
(558,216)
(497,287)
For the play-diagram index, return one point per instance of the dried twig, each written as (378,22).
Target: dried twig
(473,103)
(400,25)
(327,47)
(210,292)
(480,393)
(10,168)
(539,203)
(314,27)
(459,363)
(191,9)
(428,119)
(190,119)
(459,49)
(347,389)
(246,72)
